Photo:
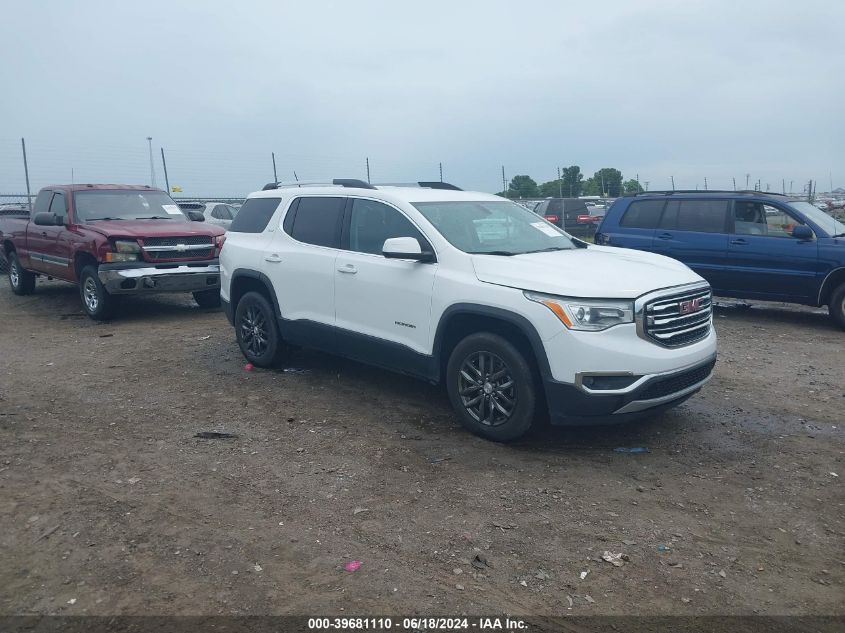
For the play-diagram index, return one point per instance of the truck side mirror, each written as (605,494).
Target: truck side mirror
(802,232)
(196,216)
(47,219)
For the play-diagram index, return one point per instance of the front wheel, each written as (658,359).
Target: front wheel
(207,298)
(257,331)
(97,302)
(22,281)
(491,387)
(836,305)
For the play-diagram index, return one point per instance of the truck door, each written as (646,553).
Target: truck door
(45,255)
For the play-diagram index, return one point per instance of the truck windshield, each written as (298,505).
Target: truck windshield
(830,224)
(493,228)
(111,204)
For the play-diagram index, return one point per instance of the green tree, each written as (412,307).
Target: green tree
(569,185)
(522,187)
(551,189)
(609,181)
(592,187)
(632,186)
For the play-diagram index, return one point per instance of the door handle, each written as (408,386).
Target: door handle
(664,236)
(273,259)
(739,242)
(43,233)
(349,269)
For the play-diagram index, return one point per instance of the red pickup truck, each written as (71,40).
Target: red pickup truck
(111,240)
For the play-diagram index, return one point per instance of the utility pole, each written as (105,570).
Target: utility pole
(673,182)
(790,187)
(783,186)
(26,174)
(166,179)
(275,177)
(441,172)
(602,184)
(646,185)
(734,178)
(639,186)
(368,169)
(705,183)
(560,184)
(747,176)
(504,183)
(152,167)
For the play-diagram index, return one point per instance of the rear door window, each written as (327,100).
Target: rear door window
(317,221)
(700,216)
(643,214)
(254,215)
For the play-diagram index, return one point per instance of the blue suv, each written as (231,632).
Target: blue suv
(750,245)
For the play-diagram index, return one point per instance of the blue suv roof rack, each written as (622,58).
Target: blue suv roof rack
(669,192)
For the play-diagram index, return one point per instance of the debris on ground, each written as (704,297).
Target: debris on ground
(296,370)
(589,598)
(613,559)
(457,571)
(663,548)
(437,460)
(215,435)
(584,574)
(480,562)
(634,449)
(523,583)
(133,480)
(360,510)
(459,587)
(249,367)
(72,601)
(542,575)
(257,567)
(47,533)
(204,338)
(353,565)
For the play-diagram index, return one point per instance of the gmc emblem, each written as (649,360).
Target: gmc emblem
(688,307)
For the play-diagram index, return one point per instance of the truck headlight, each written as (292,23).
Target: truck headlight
(124,251)
(590,315)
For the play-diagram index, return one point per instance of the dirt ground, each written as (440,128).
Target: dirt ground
(109,505)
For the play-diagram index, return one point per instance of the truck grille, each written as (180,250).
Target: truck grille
(678,319)
(174,248)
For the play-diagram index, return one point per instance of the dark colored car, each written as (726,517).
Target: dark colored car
(565,213)
(749,245)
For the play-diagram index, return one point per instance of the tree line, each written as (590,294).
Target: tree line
(606,182)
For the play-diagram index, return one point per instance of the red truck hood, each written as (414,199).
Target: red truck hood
(153,228)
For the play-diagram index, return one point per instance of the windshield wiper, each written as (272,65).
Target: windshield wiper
(549,249)
(105,218)
(154,217)
(839,235)
(502,253)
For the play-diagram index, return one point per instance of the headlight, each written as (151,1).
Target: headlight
(586,314)
(124,251)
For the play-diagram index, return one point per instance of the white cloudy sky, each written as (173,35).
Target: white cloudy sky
(689,89)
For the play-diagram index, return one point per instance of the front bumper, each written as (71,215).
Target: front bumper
(143,278)
(649,394)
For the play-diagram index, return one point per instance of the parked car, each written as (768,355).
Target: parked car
(470,290)
(111,240)
(750,245)
(217,213)
(564,213)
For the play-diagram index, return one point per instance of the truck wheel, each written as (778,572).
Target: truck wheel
(22,281)
(208,298)
(257,331)
(836,305)
(491,387)
(97,302)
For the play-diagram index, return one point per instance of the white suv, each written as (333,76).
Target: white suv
(515,316)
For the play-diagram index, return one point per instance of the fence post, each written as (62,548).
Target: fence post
(26,173)
(166,179)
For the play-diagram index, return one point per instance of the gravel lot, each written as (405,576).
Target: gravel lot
(110,505)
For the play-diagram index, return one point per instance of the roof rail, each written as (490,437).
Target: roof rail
(425,184)
(336,182)
(669,192)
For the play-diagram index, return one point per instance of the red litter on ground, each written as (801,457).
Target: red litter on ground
(249,366)
(353,565)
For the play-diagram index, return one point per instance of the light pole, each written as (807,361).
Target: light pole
(152,167)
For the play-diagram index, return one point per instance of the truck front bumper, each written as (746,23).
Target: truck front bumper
(142,278)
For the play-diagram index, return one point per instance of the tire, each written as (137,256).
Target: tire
(508,403)
(22,281)
(208,298)
(96,301)
(836,305)
(257,331)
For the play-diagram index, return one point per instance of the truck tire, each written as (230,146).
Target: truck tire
(96,301)
(836,305)
(22,281)
(492,387)
(207,298)
(257,331)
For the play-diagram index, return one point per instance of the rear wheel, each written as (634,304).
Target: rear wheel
(491,387)
(97,302)
(257,331)
(836,305)
(208,298)
(22,281)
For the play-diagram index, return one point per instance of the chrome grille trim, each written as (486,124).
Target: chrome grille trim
(659,319)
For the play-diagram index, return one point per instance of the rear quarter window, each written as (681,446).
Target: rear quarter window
(642,214)
(254,215)
(700,216)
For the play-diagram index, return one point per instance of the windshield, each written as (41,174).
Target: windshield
(110,204)
(825,221)
(493,227)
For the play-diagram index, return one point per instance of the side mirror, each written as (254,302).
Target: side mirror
(802,232)
(47,219)
(405,248)
(196,216)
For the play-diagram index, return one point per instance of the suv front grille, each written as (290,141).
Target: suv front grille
(678,319)
(675,383)
(187,247)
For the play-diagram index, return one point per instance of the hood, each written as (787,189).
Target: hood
(593,272)
(153,228)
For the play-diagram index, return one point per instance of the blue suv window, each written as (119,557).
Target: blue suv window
(702,216)
(643,214)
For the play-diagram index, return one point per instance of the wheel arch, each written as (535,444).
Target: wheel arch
(832,281)
(245,280)
(81,259)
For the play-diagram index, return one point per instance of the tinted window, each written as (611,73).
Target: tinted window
(221,212)
(42,202)
(373,222)
(59,205)
(756,218)
(317,221)
(254,215)
(643,214)
(703,216)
